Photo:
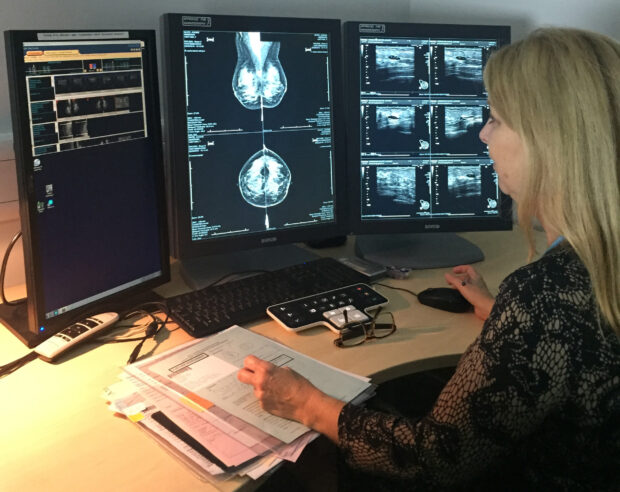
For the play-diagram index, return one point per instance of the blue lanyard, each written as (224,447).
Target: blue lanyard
(557,241)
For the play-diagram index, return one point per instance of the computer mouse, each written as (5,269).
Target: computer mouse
(445,298)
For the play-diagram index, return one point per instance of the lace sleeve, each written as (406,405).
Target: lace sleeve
(504,385)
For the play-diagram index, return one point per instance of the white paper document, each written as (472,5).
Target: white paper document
(205,372)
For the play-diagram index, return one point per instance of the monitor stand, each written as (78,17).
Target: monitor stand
(201,272)
(15,318)
(417,251)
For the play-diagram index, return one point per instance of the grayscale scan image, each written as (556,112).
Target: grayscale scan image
(464,181)
(464,63)
(397,183)
(259,78)
(264,179)
(459,119)
(397,118)
(395,63)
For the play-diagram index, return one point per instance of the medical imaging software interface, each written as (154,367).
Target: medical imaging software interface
(422,105)
(259,125)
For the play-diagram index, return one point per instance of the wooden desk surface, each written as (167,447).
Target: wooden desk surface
(56,433)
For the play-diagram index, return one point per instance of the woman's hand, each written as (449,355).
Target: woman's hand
(279,390)
(283,392)
(473,288)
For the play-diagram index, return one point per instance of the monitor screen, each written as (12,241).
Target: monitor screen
(254,131)
(417,103)
(87,140)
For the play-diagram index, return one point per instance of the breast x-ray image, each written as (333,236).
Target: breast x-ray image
(264,179)
(464,63)
(397,183)
(259,79)
(400,119)
(255,117)
(459,119)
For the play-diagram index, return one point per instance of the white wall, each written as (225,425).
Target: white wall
(523,16)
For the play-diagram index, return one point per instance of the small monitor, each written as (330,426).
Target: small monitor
(86,131)
(417,167)
(255,139)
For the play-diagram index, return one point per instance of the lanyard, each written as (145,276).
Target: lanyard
(557,241)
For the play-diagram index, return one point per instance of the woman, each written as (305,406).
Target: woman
(535,400)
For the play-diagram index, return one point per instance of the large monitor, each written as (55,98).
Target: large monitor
(87,138)
(255,139)
(416,103)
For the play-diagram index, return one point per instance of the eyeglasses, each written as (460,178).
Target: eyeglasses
(380,326)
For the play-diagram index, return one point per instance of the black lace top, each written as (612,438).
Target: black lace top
(534,401)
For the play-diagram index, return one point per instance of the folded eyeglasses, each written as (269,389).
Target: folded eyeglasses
(381,325)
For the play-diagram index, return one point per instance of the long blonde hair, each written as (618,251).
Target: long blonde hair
(559,89)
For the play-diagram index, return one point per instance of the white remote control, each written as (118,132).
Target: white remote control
(74,334)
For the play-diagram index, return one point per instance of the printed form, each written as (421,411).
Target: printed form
(205,372)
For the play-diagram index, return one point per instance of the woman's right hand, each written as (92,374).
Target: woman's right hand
(471,285)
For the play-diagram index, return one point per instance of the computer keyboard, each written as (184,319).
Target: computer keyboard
(209,310)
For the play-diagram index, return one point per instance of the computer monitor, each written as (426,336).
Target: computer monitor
(88,152)
(416,103)
(255,139)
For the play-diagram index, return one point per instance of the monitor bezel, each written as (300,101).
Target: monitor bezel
(31,333)
(352,36)
(176,145)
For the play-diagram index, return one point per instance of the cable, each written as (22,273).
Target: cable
(11,367)
(5,260)
(397,288)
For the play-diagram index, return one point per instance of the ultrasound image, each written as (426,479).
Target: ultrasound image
(395,63)
(397,183)
(464,181)
(460,119)
(397,118)
(464,63)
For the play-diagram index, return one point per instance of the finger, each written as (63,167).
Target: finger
(453,279)
(461,269)
(246,376)
(253,363)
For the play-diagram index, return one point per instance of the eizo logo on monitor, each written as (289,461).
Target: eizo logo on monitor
(269,240)
(432,226)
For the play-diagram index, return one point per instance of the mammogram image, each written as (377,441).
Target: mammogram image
(395,63)
(398,118)
(459,119)
(464,181)
(264,179)
(464,63)
(259,78)
(397,183)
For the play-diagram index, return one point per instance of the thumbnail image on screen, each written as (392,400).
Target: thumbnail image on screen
(259,128)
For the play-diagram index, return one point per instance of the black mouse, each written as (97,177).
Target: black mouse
(445,298)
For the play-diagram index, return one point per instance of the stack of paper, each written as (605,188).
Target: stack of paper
(190,400)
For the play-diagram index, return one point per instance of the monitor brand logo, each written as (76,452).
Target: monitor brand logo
(196,21)
(432,226)
(268,240)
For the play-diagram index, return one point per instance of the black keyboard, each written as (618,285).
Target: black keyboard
(209,310)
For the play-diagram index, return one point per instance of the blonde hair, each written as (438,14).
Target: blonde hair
(559,89)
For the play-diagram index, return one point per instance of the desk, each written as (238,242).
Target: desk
(57,434)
